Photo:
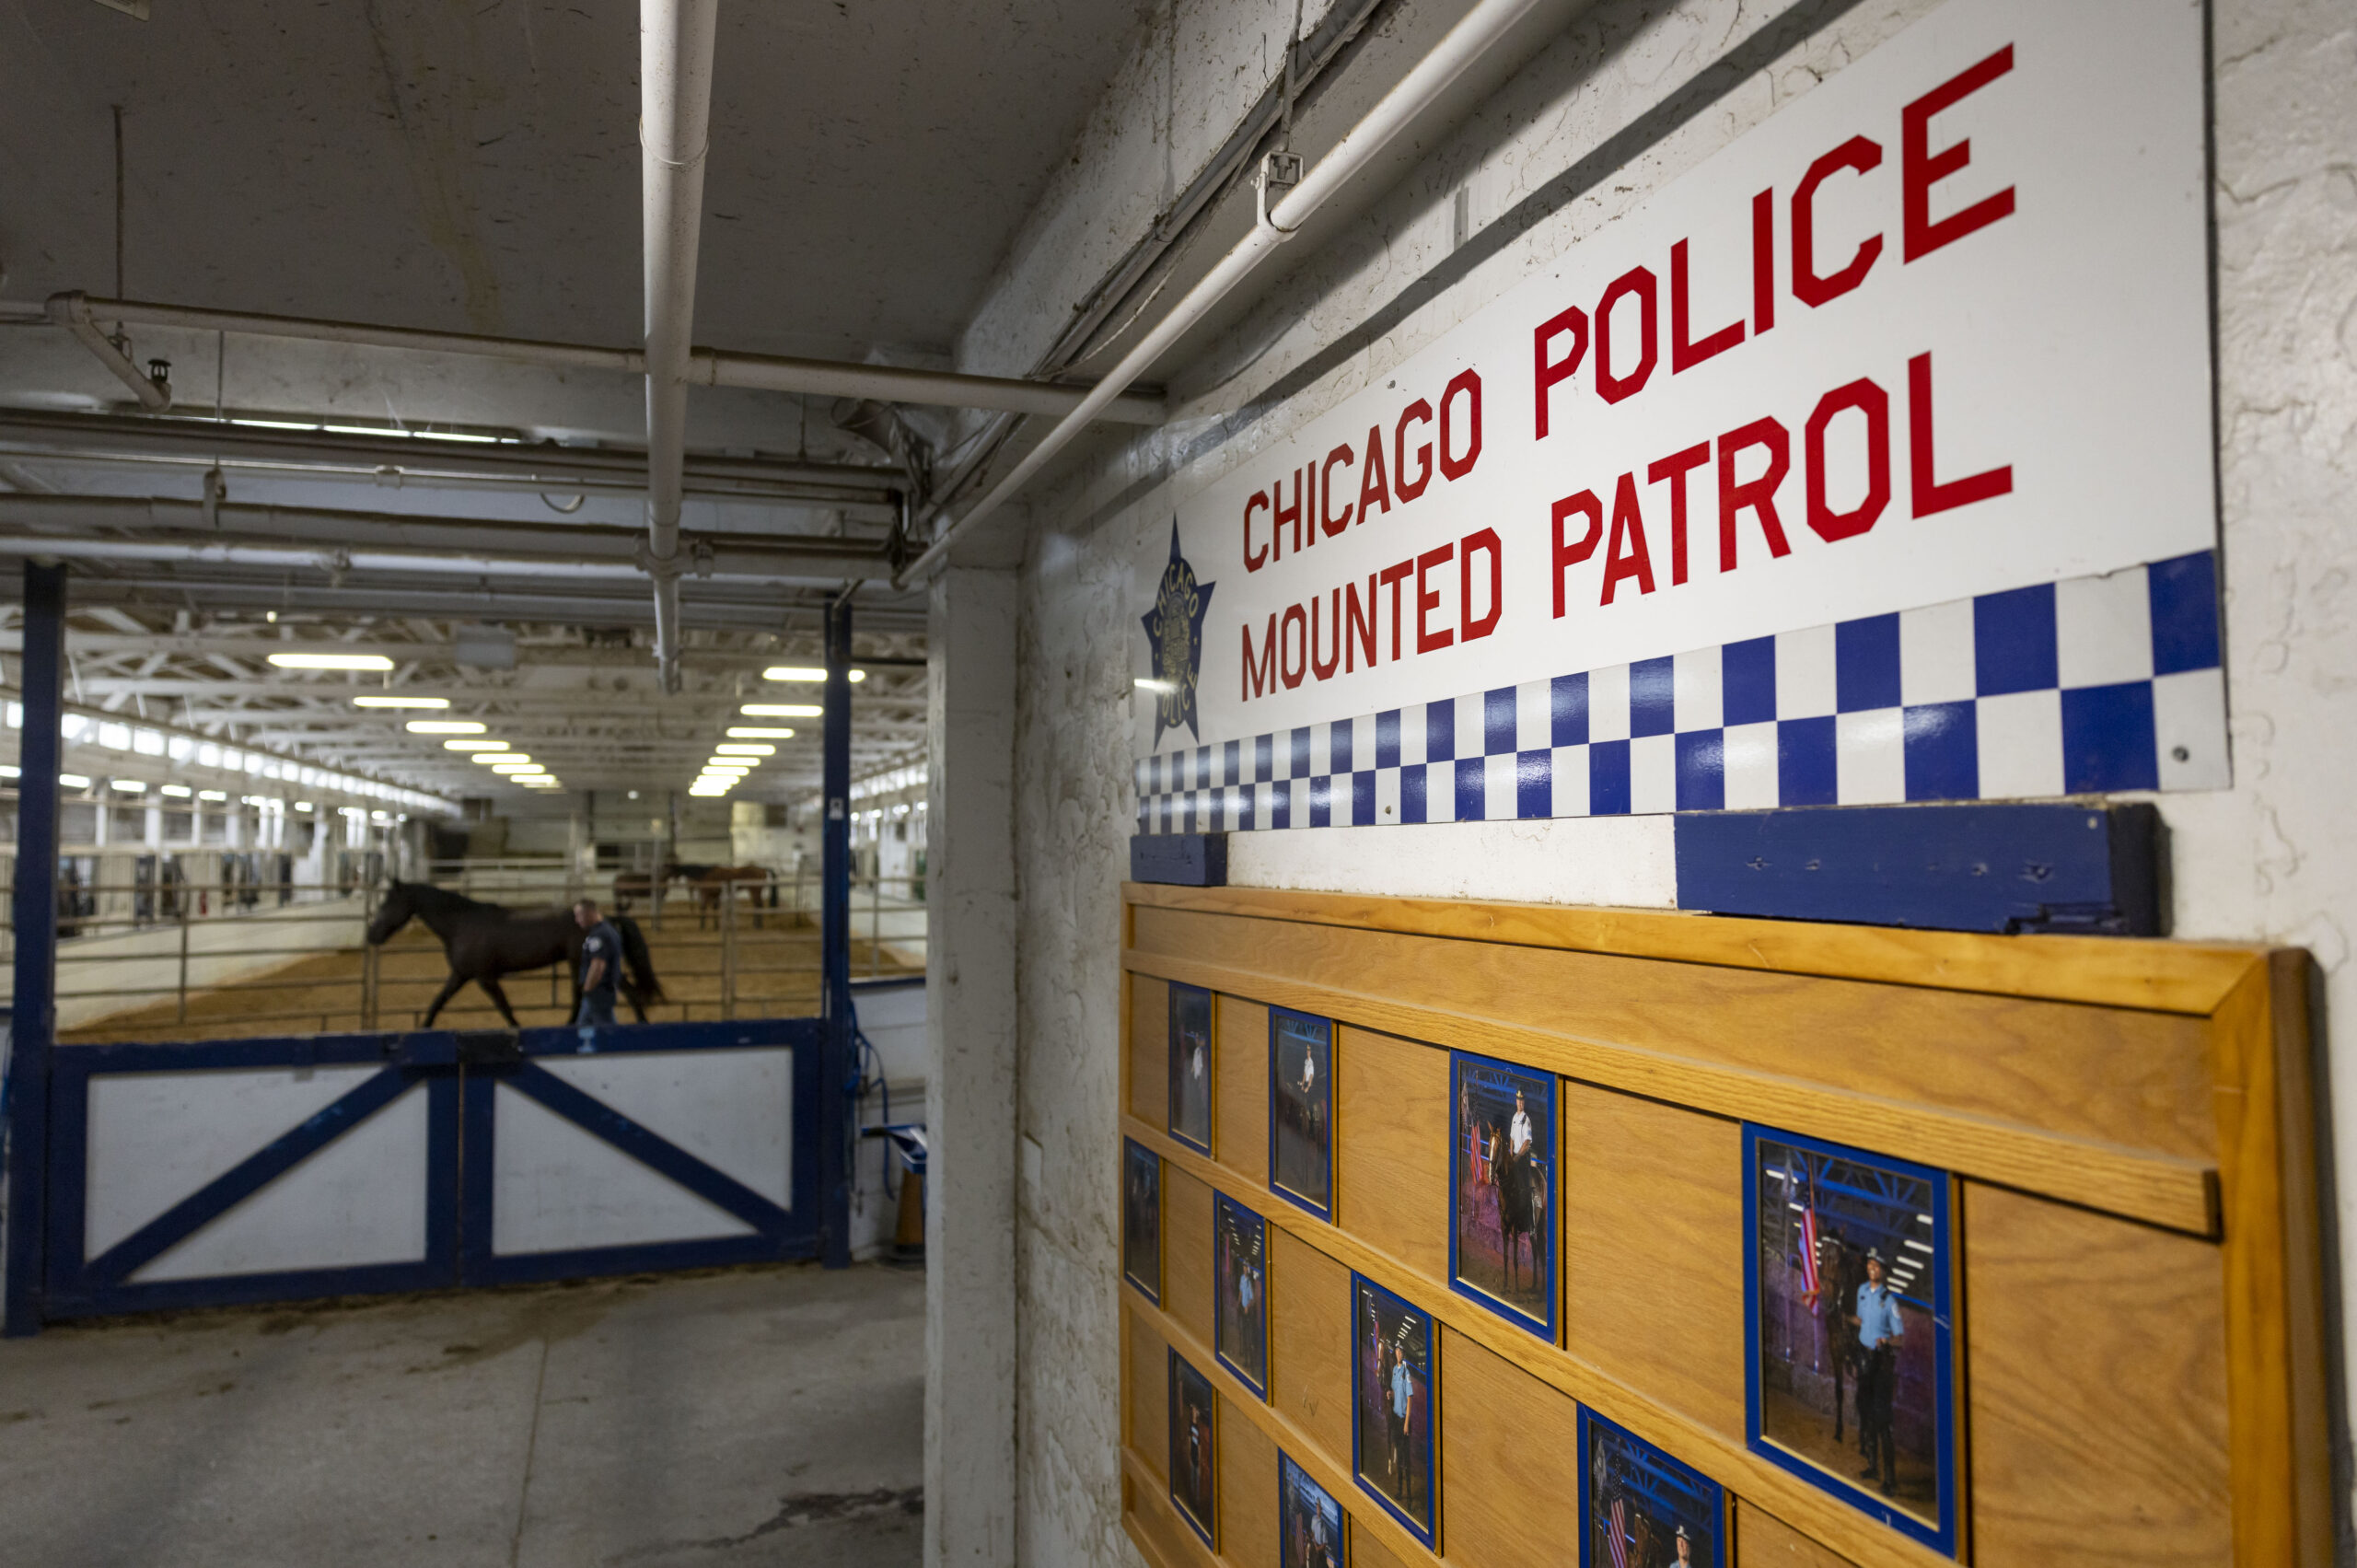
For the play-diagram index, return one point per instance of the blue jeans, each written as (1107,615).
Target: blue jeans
(597,1007)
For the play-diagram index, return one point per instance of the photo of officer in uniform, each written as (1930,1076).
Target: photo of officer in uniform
(1393,1421)
(1310,1522)
(1240,1283)
(1191,1066)
(1502,1190)
(1849,1318)
(1301,1109)
(1640,1508)
(1194,1463)
(1142,1218)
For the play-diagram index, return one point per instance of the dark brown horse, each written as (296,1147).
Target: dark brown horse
(711,884)
(1519,1200)
(484,941)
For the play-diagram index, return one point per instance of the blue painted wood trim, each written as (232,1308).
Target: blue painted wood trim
(248,1177)
(715,1187)
(654,1257)
(749,1034)
(478,1135)
(40,671)
(1184,860)
(2003,868)
(834,1109)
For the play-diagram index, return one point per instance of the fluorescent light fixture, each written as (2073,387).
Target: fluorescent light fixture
(10,770)
(726,765)
(332,661)
(445,726)
(302,805)
(755,732)
(401,701)
(474,746)
(780,710)
(1144,684)
(803,672)
(745,748)
(72,781)
(500,757)
(177,792)
(213,794)
(130,786)
(518,768)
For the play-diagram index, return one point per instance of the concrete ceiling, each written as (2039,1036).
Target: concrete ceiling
(475,168)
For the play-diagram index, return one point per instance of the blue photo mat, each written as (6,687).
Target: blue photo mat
(1130,1151)
(1650,1476)
(1224,1209)
(1181,1369)
(1542,1324)
(1427,1533)
(1191,995)
(1310,1023)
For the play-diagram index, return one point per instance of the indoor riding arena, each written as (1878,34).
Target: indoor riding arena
(1177,783)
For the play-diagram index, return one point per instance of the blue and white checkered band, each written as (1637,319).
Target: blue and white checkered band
(2089,684)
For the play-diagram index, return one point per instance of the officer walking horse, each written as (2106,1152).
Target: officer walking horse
(484,941)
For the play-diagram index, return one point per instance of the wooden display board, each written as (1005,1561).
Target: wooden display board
(2119,1132)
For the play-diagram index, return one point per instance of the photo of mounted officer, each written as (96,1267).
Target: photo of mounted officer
(1639,1507)
(1301,1109)
(1194,1462)
(1851,1331)
(1503,1188)
(1241,1283)
(1394,1422)
(1310,1522)
(1142,1218)
(1191,1066)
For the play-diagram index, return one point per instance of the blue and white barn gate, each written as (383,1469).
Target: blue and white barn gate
(281,1170)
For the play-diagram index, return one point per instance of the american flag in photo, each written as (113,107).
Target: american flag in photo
(1620,1536)
(1808,1249)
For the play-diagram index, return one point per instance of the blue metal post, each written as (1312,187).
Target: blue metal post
(835,940)
(35,915)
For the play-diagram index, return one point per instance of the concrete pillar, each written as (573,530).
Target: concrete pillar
(155,825)
(971,1063)
(233,826)
(101,833)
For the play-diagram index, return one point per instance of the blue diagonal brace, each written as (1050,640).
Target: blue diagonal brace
(245,1178)
(666,1158)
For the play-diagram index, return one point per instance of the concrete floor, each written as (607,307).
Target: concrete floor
(720,1421)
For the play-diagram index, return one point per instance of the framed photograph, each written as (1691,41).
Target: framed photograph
(1852,1377)
(1301,1109)
(1240,1286)
(1502,1189)
(1195,1457)
(1640,1508)
(1191,1066)
(1394,1407)
(1142,1218)
(1310,1522)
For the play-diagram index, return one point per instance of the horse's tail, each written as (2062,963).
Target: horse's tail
(641,961)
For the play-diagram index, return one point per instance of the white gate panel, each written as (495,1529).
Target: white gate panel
(557,1188)
(733,1109)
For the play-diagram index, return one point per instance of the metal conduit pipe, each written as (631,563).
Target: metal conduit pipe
(675,47)
(1489,21)
(706,366)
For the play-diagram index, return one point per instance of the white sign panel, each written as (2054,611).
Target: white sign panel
(1937,331)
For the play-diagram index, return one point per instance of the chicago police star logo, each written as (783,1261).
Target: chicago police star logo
(1174,632)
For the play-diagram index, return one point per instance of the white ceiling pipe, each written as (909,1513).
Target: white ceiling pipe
(1489,21)
(675,48)
(706,366)
(380,558)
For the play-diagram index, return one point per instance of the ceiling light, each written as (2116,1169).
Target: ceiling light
(445,726)
(781,711)
(803,672)
(211,795)
(727,766)
(519,768)
(177,792)
(474,746)
(130,786)
(744,749)
(401,701)
(500,757)
(754,732)
(72,781)
(331,661)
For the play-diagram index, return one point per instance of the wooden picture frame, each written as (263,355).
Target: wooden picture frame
(1490,1185)
(1295,1037)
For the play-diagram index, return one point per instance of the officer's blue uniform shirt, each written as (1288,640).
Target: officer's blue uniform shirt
(1878,1315)
(602,942)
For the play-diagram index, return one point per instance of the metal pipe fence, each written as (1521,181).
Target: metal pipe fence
(159,957)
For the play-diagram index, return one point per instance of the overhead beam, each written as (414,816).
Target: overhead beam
(706,366)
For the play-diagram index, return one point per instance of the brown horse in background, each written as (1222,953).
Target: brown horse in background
(710,883)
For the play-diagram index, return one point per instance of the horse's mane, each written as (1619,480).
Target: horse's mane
(426,896)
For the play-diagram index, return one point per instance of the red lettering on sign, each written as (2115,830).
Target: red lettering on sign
(1292,647)
(1375,485)
(1813,290)
(1484,542)
(1612,388)
(1392,578)
(1685,354)
(1325,519)
(1626,557)
(1284,515)
(1758,494)
(1254,560)
(1929,495)
(1763,261)
(1674,469)
(1567,554)
(1546,372)
(1920,168)
(1359,630)
(1875,403)
(1262,675)
(1324,668)
(1468,385)
(1415,412)
(1427,640)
